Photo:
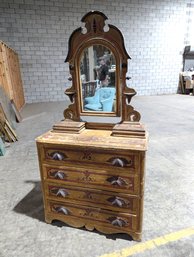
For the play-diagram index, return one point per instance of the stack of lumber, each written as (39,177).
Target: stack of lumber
(6,130)
(7,108)
(10,75)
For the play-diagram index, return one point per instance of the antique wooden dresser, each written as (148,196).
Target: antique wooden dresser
(92,172)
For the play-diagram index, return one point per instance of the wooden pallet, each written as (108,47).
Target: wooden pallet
(10,75)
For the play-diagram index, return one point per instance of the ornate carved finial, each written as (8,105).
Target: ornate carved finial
(68,114)
(129,114)
(94,21)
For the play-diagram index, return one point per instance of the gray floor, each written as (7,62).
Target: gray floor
(169,192)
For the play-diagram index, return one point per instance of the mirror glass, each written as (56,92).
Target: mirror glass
(98,79)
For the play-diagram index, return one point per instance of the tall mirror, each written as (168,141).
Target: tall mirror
(98,80)
(98,63)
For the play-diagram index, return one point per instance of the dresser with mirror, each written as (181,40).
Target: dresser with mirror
(92,163)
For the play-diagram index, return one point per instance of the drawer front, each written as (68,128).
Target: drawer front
(104,199)
(109,160)
(121,221)
(83,177)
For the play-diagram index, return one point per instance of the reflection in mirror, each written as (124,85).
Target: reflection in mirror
(98,79)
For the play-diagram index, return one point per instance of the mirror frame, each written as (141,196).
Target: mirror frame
(117,82)
(94,33)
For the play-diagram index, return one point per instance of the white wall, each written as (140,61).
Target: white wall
(39,31)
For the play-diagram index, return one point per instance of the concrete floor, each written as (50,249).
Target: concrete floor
(169,191)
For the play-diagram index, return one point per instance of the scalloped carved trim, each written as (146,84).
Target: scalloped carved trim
(130,114)
(133,115)
(69,113)
(91,226)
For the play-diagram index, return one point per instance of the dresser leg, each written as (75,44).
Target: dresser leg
(136,237)
(48,220)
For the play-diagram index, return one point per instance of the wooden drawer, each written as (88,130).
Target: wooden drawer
(91,197)
(80,157)
(93,178)
(115,220)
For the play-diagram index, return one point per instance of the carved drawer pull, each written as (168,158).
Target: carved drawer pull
(59,192)
(115,200)
(117,221)
(117,181)
(58,156)
(119,162)
(61,209)
(58,174)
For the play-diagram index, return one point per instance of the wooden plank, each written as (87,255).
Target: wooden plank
(8,86)
(3,78)
(7,131)
(17,113)
(2,113)
(18,84)
(6,105)
(11,130)
(4,131)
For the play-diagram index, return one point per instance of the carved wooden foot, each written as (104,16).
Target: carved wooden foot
(136,237)
(48,220)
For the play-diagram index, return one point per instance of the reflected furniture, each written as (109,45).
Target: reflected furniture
(92,172)
(186,77)
(88,88)
(101,101)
